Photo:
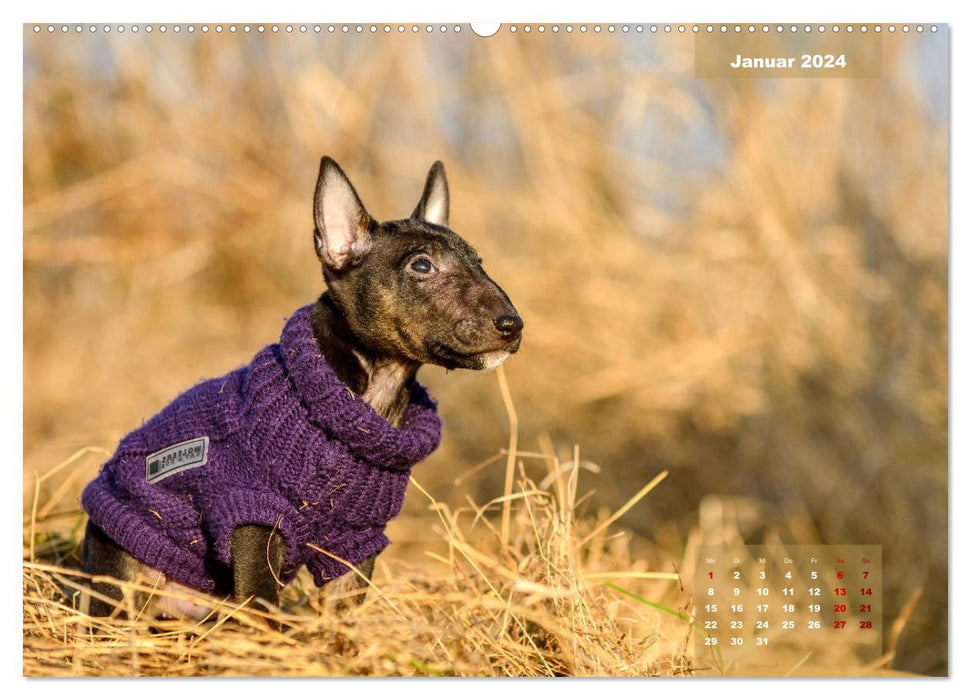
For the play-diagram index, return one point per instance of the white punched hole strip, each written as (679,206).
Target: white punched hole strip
(480,29)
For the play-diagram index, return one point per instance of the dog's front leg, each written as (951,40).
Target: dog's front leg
(257,554)
(363,579)
(349,589)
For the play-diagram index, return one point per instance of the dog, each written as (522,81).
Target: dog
(301,457)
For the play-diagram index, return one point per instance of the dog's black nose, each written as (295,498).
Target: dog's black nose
(509,326)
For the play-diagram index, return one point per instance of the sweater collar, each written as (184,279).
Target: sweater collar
(344,415)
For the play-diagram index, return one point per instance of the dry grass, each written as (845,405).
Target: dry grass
(524,585)
(528,601)
(741,283)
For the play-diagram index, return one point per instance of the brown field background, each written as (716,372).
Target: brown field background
(743,283)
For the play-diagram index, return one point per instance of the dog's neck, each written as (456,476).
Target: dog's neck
(383,383)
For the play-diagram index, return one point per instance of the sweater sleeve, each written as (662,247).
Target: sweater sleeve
(353,546)
(227,508)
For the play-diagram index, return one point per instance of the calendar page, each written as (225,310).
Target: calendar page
(516,349)
(816,609)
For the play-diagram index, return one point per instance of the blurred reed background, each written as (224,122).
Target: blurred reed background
(743,282)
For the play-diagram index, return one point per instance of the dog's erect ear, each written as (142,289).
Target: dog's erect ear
(341,224)
(433,206)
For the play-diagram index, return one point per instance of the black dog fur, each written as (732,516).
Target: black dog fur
(400,294)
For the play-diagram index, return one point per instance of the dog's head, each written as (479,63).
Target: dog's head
(411,289)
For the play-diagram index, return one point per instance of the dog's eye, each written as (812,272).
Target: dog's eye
(422,265)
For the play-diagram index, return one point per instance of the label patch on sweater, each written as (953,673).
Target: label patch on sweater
(177,458)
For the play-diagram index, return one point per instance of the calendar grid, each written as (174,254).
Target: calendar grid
(788,610)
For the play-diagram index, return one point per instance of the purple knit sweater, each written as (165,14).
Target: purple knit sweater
(280,442)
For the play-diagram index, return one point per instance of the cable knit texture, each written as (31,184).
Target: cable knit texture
(290,447)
